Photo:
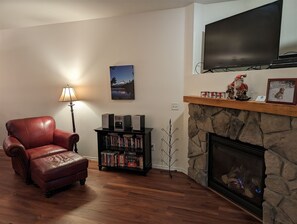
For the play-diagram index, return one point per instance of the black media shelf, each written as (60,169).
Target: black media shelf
(124,150)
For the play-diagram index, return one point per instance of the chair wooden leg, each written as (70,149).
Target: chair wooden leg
(48,194)
(82,181)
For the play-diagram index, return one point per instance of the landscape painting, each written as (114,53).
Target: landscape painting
(122,82)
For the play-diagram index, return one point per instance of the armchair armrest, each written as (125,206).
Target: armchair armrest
(13,147)
(65,139)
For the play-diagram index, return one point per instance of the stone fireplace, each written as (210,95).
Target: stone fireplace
(276,133)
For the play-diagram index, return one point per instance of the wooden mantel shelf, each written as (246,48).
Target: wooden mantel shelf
(270,108)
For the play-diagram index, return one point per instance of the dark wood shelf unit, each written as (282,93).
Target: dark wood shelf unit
(124,150)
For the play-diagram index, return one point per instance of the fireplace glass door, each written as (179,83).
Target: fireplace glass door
(237,171)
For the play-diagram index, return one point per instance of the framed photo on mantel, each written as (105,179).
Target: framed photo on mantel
(281,91)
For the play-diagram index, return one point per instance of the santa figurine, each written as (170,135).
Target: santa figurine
(238,89)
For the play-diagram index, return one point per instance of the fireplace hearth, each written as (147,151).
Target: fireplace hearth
(237,171)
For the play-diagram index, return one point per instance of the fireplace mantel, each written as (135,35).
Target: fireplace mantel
(270,108)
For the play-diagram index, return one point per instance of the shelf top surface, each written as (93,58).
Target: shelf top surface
(270,108)
(146,130)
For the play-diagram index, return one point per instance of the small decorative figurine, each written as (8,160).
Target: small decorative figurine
(238,89)
(230,92)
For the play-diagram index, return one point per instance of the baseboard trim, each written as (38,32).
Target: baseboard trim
(156,166)
(91,158)
(161,167)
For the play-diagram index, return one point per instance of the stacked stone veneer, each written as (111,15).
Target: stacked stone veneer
(277,134)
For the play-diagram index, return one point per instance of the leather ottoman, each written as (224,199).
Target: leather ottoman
(58,170)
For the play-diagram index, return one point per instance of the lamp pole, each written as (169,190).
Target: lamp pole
(71,104)
(68,95)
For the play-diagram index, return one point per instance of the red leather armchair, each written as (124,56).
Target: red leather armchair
(32,138)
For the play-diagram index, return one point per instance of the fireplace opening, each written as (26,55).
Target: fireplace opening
(237,171)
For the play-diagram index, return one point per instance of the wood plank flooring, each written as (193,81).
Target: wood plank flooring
(111,197)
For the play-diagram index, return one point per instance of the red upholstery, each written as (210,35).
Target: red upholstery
(58,170)
(32,132)
(32,138)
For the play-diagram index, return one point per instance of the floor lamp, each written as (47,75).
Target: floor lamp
(68,95)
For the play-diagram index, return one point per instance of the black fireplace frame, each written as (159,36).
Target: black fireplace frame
(223,190)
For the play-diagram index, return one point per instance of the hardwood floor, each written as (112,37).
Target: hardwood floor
(116,198)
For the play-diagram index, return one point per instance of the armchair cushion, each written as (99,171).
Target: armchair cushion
(44,151)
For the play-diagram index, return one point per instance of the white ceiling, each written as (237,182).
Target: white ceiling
(26,13)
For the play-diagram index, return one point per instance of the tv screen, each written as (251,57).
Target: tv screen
(247,39)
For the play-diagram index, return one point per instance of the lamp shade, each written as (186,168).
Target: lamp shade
(68,94)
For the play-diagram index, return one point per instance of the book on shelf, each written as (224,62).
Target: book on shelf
(121,160)
(116,159)
(140,162)
(138,142)
(124,141)
(131,163)
(128,141)
(133,160)
(109,158)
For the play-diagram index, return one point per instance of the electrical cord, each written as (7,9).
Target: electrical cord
(288,53)
(198,65)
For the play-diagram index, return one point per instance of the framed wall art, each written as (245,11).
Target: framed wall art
(281,91)
(122,82)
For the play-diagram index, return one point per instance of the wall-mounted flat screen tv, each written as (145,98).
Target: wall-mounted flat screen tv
(247,39)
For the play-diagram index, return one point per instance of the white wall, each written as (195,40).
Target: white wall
(35,63)
(257,80)
(204,14)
